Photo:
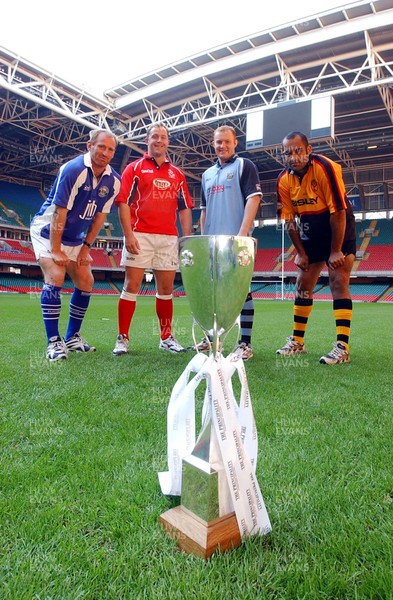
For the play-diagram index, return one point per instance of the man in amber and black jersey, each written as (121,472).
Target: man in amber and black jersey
(320,222)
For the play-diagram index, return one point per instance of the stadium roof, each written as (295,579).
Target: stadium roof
(345,52)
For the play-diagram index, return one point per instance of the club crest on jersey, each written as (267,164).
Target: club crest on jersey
(314,185)
(171,174)
(161,184)
(230,175)
(104,191)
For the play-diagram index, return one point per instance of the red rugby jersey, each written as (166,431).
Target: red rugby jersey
(154,194)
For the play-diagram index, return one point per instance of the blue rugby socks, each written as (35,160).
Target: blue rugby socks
(51,306)
(78,307)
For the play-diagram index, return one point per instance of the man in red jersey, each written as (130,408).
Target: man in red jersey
(152,191)
(320,222)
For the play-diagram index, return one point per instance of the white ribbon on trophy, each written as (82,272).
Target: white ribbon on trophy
(235,430)
(234,426)
(181,425)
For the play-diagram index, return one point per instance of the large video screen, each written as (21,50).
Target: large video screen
(267,128)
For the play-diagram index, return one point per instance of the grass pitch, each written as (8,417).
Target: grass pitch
(82,442)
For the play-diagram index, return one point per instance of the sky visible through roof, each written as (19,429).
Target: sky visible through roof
(97,45)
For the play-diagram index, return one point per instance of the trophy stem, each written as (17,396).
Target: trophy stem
(216,337)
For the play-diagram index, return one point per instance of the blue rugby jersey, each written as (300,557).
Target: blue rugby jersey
(224,194)
(74,189)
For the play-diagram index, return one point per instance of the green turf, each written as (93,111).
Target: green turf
(82,442)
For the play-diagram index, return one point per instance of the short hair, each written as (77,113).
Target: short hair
(153,125)
(226,128)
(94,133)
(293,134)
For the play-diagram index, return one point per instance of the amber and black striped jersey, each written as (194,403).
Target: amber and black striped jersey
(314,196)
(319,190)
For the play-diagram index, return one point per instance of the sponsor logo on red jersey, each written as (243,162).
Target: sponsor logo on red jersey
(161,184)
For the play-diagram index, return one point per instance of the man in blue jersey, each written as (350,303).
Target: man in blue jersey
(230,197)
(62,233)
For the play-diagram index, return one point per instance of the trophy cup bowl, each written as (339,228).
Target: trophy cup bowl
(216,272)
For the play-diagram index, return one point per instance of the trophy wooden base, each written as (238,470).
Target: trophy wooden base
(195,536)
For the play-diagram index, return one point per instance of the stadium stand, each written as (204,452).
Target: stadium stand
(378,260)
(268,261)
(178,290)
(19,203)
(13,250)
(147,289)
(374,250)
(105,287)
(360,292)
(373,265)
(269,246)
(379,231)
(20,285)
(275,291)
(375,253)
(112,227)
(268,237)
(268,291)
(29,285)
(116,255)
(388,296)
(101,260)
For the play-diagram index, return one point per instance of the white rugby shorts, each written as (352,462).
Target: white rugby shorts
(160,252)
(41,246)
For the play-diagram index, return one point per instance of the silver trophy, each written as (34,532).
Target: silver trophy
(216,273)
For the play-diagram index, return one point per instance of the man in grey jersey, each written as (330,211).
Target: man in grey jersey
(230,197)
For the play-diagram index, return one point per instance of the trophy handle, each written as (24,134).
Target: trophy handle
(194,324)
(236,324)
(219,339)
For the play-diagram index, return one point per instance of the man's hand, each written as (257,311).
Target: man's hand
(84,257)
(59,258)
(132,244)
(336,259)
(301,261)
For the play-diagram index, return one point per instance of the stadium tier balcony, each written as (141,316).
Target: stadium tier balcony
(377,260)
(13,251)
(101,259)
